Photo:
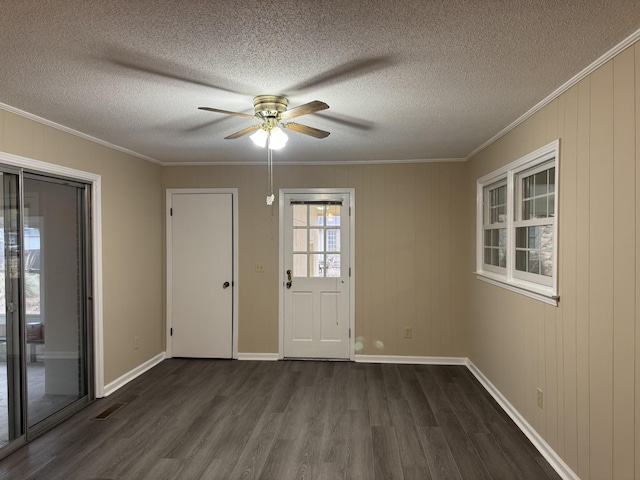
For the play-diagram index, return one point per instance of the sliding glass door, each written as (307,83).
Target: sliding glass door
(46,293)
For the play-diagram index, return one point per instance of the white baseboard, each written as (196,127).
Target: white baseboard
(269,357)
(136,372)
(543,447)
(411,360)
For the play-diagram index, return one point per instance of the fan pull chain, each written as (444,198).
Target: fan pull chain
(271,196)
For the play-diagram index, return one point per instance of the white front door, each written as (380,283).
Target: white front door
(200,275)
(316,287)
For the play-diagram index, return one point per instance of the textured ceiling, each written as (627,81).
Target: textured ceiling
(405,80)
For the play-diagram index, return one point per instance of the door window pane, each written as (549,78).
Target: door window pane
(300,240)
(316,242)
(300,216)
(299,265)
(316,265)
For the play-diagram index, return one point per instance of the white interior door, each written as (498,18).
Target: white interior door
(316,276)
(201,275)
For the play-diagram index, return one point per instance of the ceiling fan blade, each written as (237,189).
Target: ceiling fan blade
(226,112)
(242,132)
(314,132)
(346,71)
(311,107)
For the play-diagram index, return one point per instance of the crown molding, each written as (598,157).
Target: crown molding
(71,131)
(291,164)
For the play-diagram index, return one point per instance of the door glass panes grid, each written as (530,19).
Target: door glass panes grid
(495,232)
(316,240)
(534,240)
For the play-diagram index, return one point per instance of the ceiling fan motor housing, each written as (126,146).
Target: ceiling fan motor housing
(267,106)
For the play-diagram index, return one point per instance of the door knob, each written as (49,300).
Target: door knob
(226,285)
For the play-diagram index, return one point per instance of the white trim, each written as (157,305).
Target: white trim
(323,162)
(352,259)
(169,246)
(132,374)
(95,181)
(267,357)
(543,447)
(527,292)
(411,360)
(76,133)
(627,42)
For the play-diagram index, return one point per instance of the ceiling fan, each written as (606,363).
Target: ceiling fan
(271,110)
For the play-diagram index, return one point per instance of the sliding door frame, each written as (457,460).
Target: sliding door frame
(95,298)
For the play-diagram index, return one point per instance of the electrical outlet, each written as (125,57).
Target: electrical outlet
(259,268)
(540,398)
(408,332)
(136,343)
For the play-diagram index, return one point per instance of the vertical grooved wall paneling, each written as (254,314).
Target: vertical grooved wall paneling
(585,353)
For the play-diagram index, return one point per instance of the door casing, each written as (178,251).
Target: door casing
(351,266)
(234,206)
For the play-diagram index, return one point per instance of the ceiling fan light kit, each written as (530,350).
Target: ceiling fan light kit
(271,110)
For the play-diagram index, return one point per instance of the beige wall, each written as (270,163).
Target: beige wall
(131,233)
(585,353)
(410,251)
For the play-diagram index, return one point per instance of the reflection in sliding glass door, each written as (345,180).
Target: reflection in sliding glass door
(55,281)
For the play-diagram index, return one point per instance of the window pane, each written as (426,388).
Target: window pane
(527,209)
(541,208)
(316,240)
(333,240)
(299,265)
(495,260)
(316,265)
(502,233)
(532,237)
(502,254)
(300,215)
(552,207)
(333,215)
(533,264)
(333,265)
(521,237)
(300,239)
(546,237)
(502,213)
(552,180)
(495,237)
(316,215)
(541,183)
(502,195)
(487,238)
(487,256)
(546,259)
(521,260)
(526,187)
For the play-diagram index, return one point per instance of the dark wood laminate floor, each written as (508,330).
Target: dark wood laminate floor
(208,419)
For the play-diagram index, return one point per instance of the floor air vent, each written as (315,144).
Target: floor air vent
(109,411)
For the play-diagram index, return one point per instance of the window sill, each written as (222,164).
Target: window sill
(545,298)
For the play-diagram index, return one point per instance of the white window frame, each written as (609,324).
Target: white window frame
(535,286)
